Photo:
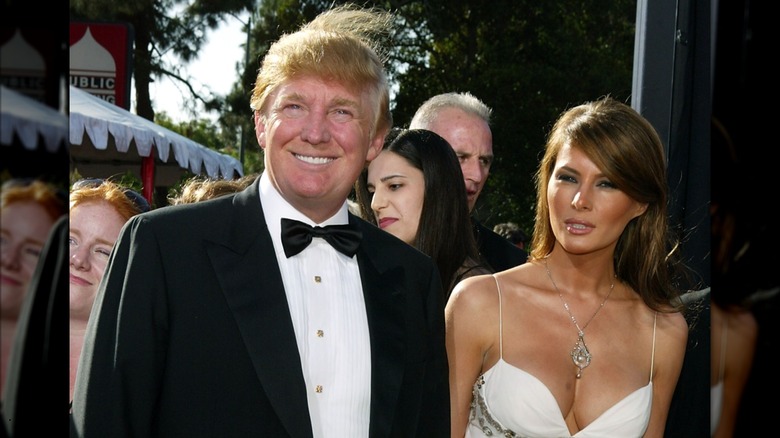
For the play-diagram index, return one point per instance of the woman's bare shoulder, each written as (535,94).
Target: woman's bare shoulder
(482,291)
(673,322)
(672,335)
(474,292)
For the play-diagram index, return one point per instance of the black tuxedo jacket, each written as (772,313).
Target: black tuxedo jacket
(497,250)
(191,336)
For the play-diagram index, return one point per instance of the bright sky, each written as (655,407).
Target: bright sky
(215,69)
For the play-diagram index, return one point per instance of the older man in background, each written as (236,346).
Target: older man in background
(464,121)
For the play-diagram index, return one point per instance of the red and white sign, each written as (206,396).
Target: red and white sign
(100,55)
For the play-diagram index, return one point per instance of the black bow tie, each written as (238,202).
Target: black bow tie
(296,236)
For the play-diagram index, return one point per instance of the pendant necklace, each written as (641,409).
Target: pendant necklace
(579,354)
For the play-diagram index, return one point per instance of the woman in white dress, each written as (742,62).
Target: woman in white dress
(587,339)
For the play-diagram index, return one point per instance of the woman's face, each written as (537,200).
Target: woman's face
(94,228)
(398,191)
(25,229)
(587,212)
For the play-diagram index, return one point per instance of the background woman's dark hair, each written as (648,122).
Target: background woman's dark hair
(444,232)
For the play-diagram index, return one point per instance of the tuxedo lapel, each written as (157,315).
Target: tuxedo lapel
(386,313)
(251,281)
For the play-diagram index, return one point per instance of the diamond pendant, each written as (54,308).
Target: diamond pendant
(580,355)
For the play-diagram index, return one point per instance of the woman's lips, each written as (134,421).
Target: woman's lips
(386,222)
(78,281)
(578,227)
(4,279)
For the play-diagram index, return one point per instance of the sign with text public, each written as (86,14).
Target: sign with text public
(101,60)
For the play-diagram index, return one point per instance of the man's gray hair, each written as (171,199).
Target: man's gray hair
(464,101)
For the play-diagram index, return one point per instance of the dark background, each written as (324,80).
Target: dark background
(745,89)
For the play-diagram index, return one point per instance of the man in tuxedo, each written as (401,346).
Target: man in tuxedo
(233,317)
(464,121)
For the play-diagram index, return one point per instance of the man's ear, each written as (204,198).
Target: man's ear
(375,147)
(260,129)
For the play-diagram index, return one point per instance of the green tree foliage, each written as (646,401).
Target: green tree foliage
(529,61)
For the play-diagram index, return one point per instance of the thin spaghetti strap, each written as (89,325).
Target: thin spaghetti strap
(500,321)
(652,357)
(723,335)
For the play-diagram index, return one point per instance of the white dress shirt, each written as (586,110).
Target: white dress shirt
(325,298)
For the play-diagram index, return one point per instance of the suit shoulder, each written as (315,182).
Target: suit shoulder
(190,211)
(500,253)
(196,219)
(494,239)
(389,245)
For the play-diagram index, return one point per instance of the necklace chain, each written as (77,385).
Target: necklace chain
(580,354)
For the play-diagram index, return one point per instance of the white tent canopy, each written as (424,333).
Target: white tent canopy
(29,119)
(106,124)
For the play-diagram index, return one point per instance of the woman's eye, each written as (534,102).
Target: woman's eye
(33,252)
(567,178)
